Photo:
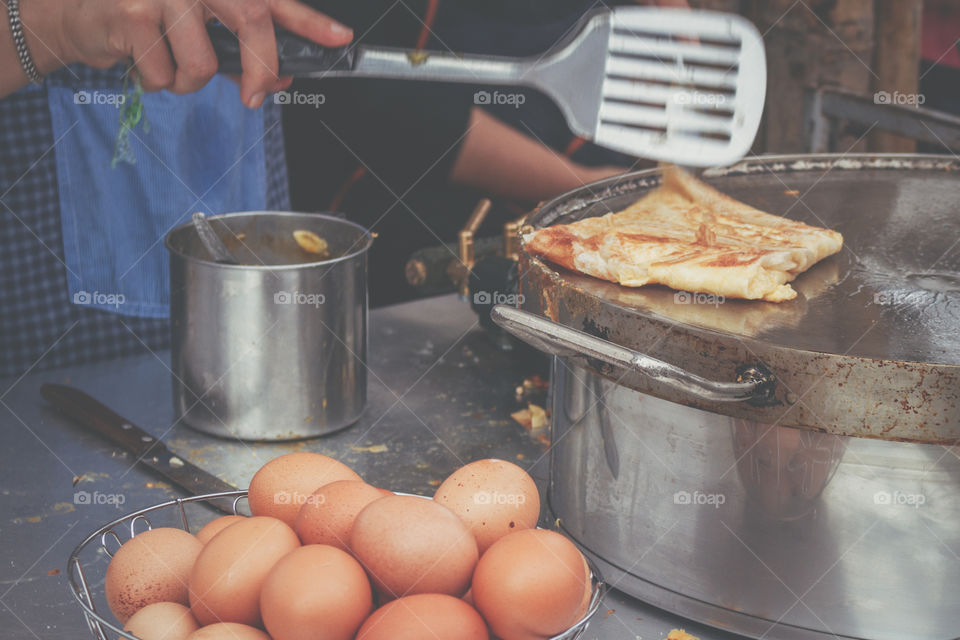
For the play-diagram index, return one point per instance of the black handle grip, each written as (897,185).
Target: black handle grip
(298,56)
(99,418)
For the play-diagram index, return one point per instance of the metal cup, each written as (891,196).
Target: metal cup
(273,348)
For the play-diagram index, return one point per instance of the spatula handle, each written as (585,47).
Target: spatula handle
(300,57)
(297,55)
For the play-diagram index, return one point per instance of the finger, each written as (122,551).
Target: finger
(304,21)
(281,84)
(194,56)
(253,24)
(151,57)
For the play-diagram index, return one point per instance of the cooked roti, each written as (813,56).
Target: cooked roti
(688,236)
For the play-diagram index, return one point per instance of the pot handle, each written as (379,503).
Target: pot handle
(754,382)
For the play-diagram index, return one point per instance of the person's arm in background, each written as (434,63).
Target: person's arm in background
(503,161)
(167,39)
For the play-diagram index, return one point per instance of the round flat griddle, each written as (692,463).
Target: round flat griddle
(871,344)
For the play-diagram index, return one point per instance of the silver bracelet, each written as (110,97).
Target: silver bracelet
(16,31)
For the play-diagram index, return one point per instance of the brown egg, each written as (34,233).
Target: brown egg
(316,592)
(327,516)
(282,485)
(493,498)
(413,545)
(530,584)
(587,593)
(215,526)
(162,621)
(228,631)
(427,616)
(229,572)
(153,566)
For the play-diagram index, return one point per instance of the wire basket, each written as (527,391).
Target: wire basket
(94,552)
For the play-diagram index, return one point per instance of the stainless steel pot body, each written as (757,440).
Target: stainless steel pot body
(784,471)
(274,348)
(768,531)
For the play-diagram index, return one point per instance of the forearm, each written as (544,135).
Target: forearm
(40,29)
(500,160)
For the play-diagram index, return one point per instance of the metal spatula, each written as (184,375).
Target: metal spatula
(667,84)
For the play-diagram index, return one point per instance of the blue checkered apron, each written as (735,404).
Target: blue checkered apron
(40,328)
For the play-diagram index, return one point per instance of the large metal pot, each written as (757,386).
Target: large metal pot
(273,348)
(781,471)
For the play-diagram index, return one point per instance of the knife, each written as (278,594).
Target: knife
(149,451)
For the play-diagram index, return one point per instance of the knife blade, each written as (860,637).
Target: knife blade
(149,451)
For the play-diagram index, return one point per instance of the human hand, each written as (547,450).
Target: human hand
(168,42)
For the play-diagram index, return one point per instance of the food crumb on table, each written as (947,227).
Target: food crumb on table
(374,448)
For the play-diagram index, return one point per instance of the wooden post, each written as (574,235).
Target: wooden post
(896,62)
(812,44)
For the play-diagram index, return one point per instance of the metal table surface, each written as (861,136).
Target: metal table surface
(440,395)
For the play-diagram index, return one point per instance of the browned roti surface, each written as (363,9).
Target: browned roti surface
(687,235)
